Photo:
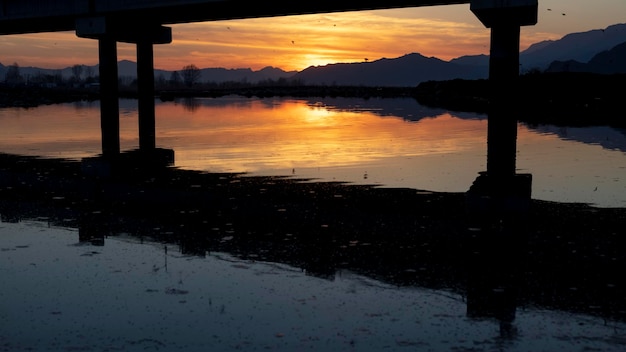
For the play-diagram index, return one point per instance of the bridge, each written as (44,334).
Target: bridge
(143,22)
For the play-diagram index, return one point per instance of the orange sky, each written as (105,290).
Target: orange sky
(296,42)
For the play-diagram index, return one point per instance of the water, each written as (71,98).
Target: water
(192,280)
(386,142)
(130,295)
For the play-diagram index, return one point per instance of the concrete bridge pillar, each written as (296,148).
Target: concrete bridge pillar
(499,190)
(109,104)
(502,124)
(145,86)
(109,31)
(505,19)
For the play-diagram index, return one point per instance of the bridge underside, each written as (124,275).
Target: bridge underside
(33,16)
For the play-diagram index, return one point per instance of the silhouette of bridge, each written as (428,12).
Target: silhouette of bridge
(27,16)
(142,22)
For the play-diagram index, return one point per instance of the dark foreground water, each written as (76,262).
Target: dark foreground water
(63,295)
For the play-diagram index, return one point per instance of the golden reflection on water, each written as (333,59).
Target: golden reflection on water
(291,134)
(386,142)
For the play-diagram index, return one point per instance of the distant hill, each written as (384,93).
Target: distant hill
(407,70)
(606,62)
(128,69)
(580,47)
(217,75)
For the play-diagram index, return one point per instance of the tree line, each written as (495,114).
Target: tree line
(83,76)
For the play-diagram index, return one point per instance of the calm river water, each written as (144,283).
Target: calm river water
(133,293)
(387,142)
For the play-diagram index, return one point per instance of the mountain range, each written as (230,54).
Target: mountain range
(598,51)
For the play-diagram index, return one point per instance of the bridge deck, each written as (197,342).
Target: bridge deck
(31,16)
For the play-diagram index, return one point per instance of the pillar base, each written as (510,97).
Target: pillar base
(490,195)
(124,164)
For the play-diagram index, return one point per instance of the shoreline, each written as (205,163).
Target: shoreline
(573,99)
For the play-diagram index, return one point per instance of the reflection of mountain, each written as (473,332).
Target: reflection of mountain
(406,108)
(605,136)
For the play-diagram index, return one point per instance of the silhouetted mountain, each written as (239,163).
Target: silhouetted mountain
(580,47)
(607,62)
(472,60)
(408,70)
(243,74)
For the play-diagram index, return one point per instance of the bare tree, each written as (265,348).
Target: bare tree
(13,75)
(174,79)
(77,72)
(191,74)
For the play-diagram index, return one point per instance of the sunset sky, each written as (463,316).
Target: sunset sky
(296,42)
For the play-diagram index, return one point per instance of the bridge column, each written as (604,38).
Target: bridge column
(502,124)
(499,190)
(109,31)
(505,19)
(109,91)
(145,86)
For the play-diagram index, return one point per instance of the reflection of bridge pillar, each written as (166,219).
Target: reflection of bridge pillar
(145,85)
(109,90)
